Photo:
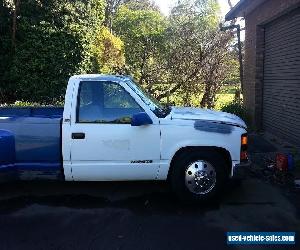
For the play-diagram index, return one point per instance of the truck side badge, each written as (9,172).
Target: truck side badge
(142,162)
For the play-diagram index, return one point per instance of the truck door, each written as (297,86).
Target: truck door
(104,145)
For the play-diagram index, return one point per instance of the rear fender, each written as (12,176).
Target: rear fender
(7,156)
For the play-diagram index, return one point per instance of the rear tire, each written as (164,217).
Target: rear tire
(198,176)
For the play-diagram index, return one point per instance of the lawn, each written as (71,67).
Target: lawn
(225,96)
(223,100)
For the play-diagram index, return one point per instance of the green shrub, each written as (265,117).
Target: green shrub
(237,109)
(22,104)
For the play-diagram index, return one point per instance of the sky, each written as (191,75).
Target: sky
(165,5)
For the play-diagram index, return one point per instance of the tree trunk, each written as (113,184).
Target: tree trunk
(205,98)
(186,98)
(14,24)
(110,11)
(209,97)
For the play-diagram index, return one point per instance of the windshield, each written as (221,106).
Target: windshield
(158,109)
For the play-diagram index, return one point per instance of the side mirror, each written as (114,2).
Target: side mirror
(141,119)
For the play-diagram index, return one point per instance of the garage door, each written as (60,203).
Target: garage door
(281,93)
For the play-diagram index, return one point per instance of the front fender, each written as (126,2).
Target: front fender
(175,138)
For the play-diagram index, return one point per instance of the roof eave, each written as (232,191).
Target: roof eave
(236,11)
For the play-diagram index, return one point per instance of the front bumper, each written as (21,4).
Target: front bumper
(242,170)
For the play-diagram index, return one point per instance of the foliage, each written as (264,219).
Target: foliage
(198,53)
(223,100)
(225,96)
(237,109)
(142,32)
(22,104)
(182,55)
(108,52)
(55,40)
(112,8)
(182,58)
(40,72)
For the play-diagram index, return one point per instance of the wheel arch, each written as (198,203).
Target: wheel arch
(209,149)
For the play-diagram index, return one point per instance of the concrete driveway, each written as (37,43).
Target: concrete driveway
(136,216)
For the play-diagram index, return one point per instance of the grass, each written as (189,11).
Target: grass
(225,97)
(223,100)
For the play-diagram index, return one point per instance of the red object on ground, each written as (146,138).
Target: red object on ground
(282,162)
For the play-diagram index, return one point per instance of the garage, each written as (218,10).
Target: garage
(271,80)
(281,85)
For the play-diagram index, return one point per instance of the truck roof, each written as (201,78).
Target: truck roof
(101,77)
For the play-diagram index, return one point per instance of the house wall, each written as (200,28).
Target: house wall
(254,53)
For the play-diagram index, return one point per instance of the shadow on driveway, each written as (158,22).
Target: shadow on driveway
(135,216)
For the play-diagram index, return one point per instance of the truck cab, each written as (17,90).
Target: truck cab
(114,131)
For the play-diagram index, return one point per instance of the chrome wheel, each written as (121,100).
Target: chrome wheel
(200,177)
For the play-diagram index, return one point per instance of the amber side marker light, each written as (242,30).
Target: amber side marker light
(244,140)
(244,147)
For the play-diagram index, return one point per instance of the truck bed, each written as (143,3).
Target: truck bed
(30,144)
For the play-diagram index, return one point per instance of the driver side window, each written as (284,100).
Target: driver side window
(105,102)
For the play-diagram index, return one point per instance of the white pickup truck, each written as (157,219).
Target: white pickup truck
(111,130)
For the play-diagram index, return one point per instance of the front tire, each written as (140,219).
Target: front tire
(198,175)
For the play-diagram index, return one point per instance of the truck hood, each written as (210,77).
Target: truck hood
(206,115)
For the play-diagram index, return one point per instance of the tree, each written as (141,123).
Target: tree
(16,4)
(55,39)
(112,7)
(182,55)
(110,11)
(108,52)
(197,53)
(48,48)
(6,89)
(230,4)
(142,32)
